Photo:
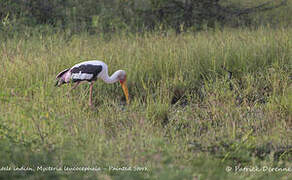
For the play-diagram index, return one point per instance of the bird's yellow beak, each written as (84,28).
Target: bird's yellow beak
(125,89)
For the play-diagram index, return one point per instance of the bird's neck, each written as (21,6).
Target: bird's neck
(112,79)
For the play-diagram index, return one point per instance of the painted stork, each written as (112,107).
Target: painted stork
(90,71)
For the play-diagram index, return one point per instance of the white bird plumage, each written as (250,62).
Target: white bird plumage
(91,71)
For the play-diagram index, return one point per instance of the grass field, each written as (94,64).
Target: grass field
(188,119)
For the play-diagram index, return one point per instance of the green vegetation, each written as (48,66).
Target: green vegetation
(187,118)
(107,16)
(210,85)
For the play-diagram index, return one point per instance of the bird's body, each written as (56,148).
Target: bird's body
(90,71)
(86,72)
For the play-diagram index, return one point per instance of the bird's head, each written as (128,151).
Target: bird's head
(122,77)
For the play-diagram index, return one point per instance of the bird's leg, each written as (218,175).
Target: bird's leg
(74,86)
(90,94)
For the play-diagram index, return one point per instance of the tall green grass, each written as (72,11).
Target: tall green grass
(186,118)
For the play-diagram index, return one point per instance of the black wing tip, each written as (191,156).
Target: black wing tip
(61,73)
(56,84)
